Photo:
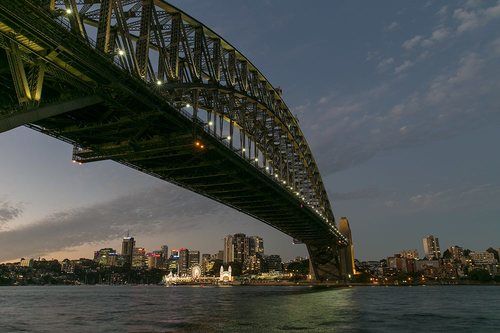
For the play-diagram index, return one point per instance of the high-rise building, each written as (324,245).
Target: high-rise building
(228,249)
(128,245)
(175,254)
(219,255)
(194,258)
(164,250)
(154,259)
(183,262)
(256,246)
(346,253)
(431,247)
(241,247)
(139,259)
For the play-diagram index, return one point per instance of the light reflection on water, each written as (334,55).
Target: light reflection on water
(249,309)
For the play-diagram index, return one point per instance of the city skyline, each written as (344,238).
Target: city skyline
(404,125)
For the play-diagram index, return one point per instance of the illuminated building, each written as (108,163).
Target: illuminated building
(194,258)
(431,247)
(139,259)
(256,245)
(164,249)
(106,257)
(26,262)
(183,262)
(154,259)
(409,254)
(228,249)
(225,276)
(241,248)
(128,245)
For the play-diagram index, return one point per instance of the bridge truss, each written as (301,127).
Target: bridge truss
(145,84)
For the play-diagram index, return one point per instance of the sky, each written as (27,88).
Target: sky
(399,101)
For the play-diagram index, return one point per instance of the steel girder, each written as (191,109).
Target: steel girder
(168,60)
(191,64)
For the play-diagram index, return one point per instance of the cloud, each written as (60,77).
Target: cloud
(10,211)
(403,67)
(392,26)
(455,198)
(412,42)
(384,64)
(364,193)
(350,129)
(475,17)
(157,210)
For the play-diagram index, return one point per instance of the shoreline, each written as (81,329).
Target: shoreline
(273,284)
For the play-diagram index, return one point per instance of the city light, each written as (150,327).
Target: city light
(159,82)
(210,123)
(69,11)
(188,105)
(121,52)
(228,137)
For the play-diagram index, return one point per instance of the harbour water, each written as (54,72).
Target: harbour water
(249,309)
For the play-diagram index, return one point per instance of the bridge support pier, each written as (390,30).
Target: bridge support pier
(324,263)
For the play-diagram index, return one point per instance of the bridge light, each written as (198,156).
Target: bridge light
(159,82)
(69,11)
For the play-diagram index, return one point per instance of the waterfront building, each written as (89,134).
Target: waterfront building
(164,250)
(252,264)
(274,263)
(106,257)
(194,258)
(154,259)
(431,247)
(183,262)
(128,245)
(174,255)
(225,276)
(241,248)
(347,267)
(228,249)
(256,246)
(139,259)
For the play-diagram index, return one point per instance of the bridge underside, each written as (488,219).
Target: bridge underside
(107,114)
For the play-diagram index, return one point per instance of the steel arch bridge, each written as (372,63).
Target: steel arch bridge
(146,85)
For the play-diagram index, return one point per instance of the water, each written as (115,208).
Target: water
(249,309)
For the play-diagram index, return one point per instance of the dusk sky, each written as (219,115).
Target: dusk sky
(399,101)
